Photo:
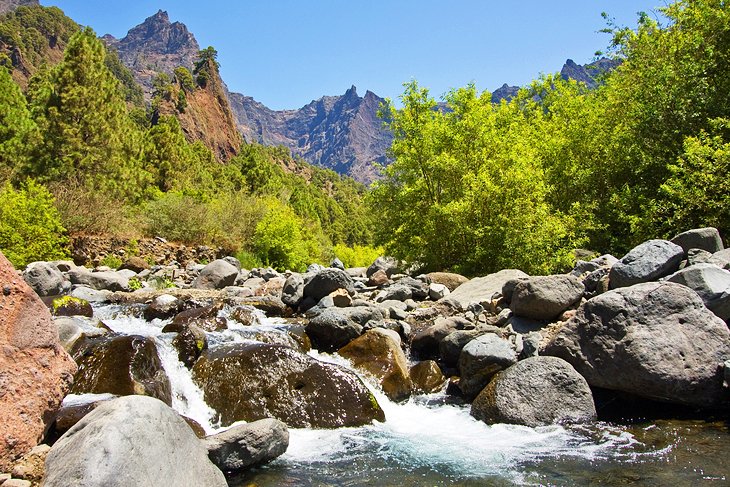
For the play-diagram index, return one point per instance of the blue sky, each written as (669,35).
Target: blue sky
(286,53)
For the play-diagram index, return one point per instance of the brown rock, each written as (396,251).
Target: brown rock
(136,264)
(380,278)
(35,371)
(31,466)
(341,298)
(448,279)
(427,377)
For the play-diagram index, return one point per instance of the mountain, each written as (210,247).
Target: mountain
(155,46)
(590,74)
(8,5)
(342,133)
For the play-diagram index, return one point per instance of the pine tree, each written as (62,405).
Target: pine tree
(18,132)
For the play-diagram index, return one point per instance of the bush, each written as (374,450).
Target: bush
(30,226)
(357,255)
(280,242)
(179,217)
(111,260)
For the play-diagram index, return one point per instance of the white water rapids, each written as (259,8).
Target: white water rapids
(425,434)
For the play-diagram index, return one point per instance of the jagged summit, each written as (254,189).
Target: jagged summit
(589,73)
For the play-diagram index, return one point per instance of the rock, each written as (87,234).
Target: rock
(480,359)
(247,382)
(698,256)
(425,344)
(654,340)
(326,281)
(341,298)
(332,330)
(216,275)
(163,307)
(337,264)
(396,292)
(545,297)
(248,445)
(17,483)
(386,264)
(378,353)
(452,344)
(204,317)
(101,281)
(699,238)
(190,342)
(721,259)
(481,289)
(70,306)
(646,262)
(530,345)
(592,280)
(135,264)
(537,391)
(711,283)
(133,440)
(68,333)
(437,291)
(233,261)
(293,290)
(90,295)
(272,306)
(30,468)
(44,278)
(378,279)
(426,377)
(35,370)
(245,315)
(121,365)
(448,279)
(74,408)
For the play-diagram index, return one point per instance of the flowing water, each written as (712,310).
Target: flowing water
(431,440)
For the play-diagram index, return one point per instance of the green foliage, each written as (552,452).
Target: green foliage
(112,261)
(30,226)
(179,217)
(206,66)
(184,78)
(135,284)
(131,91)
(248,259)
(357,255)
(18,133)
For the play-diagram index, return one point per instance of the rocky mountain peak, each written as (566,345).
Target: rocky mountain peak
(8,5)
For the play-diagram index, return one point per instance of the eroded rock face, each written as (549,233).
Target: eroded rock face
(35,370)
(646,262)
(133,440)
(255,381)
(654,340)
(537,391)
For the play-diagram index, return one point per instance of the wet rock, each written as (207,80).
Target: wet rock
(481,359)
(133,440)
(699,238)
(427,377)
(537,391)
(163,307)
(190,342)
(216,275)
(247,382)
(545,297)
(204,317)
(35,370)
(248,445)
(44,278)
(272,306)
(326,281)
(73,409)
(121,365)
(378,353)
(654,340)
(646,262)
(245,315)
(332,330)
(481,289)
(70,306)
(711,283)
(101,281)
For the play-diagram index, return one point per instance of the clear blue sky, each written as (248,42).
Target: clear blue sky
(286,53)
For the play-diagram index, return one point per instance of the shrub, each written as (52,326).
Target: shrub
(280,242)
(30,226)
(357,255)
(179,217)
(111,260)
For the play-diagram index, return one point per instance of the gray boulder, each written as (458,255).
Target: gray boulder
(216,275)
(133,440)
(480,359)
(481,289)
(385,264)
(647,262)
(699,238)
(331,330)
(545,297)
(293,290)
(396,292)
(450,347)
(107,280)
(437,291)
(326,281)
(44,278)
(247,445)
(537,391)
(721,259)
(711,283)
(655,340)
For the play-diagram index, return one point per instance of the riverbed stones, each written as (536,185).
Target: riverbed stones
(216,275)
(480,359)
(655,340)
(35,370)
(481,289)
(427,377)
(162,307)
(190,342)
(247,445)
(646,262)
(44,278)
(251,381)
(386,264)
(332,329)
(537,391)
(121,365)
(545,297)
(326,281)
(448,279)
(700,238)
(378,353)
(133,440)
(711,283)
(293,291)
(70,306)
(101,281)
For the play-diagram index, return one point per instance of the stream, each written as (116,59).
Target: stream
(432,439)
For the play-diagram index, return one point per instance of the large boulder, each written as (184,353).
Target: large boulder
(326,281)
(448,279)
(133,440)
(216,275)
(481,359)
(427,377)
(654,340)
(646,262)
(386,264)
(293,291)
(247,382)
(248,445)
(711,283)
(721,259)
(204,317)
(699,238)
(332,329)
(537,391)
(545,297)
(101,281)
(481,289)
(35,370)
(44,278)
(378,353)
(121,365)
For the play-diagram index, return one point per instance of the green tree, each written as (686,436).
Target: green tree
(18,133)
(206,66)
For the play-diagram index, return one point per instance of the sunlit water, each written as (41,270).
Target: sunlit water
(431,441)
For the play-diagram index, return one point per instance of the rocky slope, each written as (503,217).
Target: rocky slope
(8,5)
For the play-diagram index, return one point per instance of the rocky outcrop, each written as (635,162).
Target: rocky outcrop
(545,297)
(35,370)
(537,391)
(133,440)
(646,262)
(481,289)
(255,381)
(8,5)
(216,275)
(654,340)
(247,445)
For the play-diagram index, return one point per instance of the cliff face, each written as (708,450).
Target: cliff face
(590,74)
(8,5)
(155,46)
